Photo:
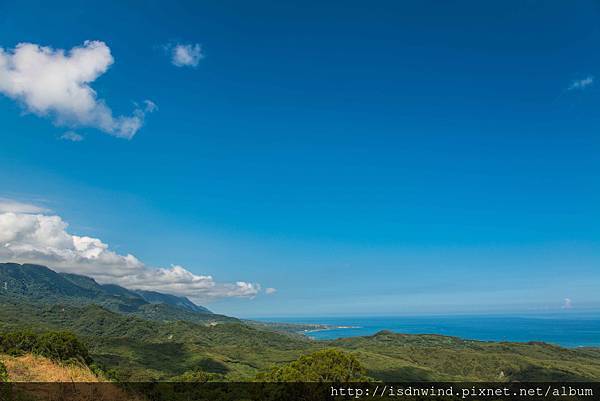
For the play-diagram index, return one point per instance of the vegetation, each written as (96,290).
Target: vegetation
(291,328)
(118,331)
(198,376)
(58,346)
(3,373)
(135,349)
(35,368)
(40,285)
(391,356)
(328,365)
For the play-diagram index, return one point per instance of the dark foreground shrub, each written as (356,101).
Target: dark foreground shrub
(56,345)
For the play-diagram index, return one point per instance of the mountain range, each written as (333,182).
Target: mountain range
(39,284)
(144,336)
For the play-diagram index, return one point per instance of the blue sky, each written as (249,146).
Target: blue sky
(389,158)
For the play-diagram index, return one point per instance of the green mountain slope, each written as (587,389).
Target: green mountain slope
(39,284)
(390,356)
(144,345)
(137,349)
(182,302)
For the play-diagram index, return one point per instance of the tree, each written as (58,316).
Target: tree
(329,365)
(197,376)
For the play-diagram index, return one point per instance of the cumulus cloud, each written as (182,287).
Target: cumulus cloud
(270,290)
(28,236)
(582,83)
(71,136)
(56,83)
(186,55)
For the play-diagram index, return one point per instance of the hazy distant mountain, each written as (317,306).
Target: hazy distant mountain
(39,284)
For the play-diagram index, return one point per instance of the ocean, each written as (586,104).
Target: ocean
(567,331)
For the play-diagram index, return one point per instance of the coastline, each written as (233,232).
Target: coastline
(328,328)
(571,332)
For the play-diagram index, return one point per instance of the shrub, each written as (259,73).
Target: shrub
(3,373)
(329,365)
(197,376)
(18,342)
(59,346)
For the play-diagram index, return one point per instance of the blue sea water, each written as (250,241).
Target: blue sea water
(569,331)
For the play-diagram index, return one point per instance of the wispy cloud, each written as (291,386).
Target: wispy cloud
(581,83)
(567,304)
(29,235)
(71,136)
(185,55)
(13,206)
(56,83)
(270,291)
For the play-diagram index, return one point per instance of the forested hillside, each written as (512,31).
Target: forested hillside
(157,337)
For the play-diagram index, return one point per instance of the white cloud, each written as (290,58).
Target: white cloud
(568,303)
(71,136)
(186,55)
(53,82)
(12,206)
(581,83)
(270,290)
(37,238)
(150,106)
